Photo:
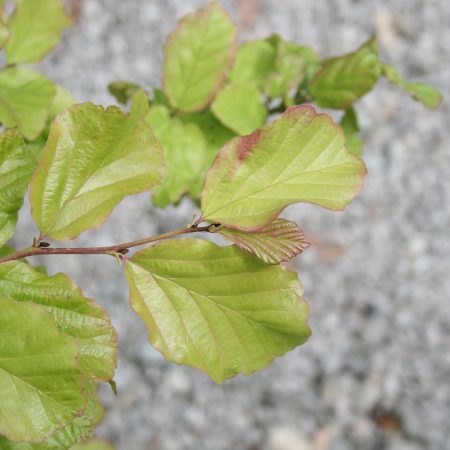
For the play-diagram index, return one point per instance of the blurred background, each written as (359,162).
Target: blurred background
(376,372)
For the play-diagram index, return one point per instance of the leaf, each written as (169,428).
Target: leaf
(216,136)
(62,101)
(94,444)
(25,100)
(64,438)
(16,167)
(35,27)
(4,31)
(425,94)
(345,79)
(240,107)
(73,313)
(301,156)
(123,91)
(92,160)
(216,308)
(349,124)
(254,62)
(41,389)
(185,152)
(197,56)
(280,241)
(289,70)
(159,98)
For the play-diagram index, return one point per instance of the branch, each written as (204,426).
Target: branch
(113,249)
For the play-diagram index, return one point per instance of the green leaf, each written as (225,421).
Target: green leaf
(254,62)
(197,56)
(92,160)
(301,156)
(94,444)
(64,438)
(35,27)
(62,101)
(279,241)
(240,107)
(41,389)
(216,308)
(16,167)
(425,94)
(345,79)
(4,31)
(123,91)
(184,150)
(25,100)
(216,136)
(349,124)
(159,98)
(73,313)
(290,69)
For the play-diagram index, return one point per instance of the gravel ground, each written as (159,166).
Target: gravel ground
(375,374)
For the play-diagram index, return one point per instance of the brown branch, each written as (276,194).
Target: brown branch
(113,249)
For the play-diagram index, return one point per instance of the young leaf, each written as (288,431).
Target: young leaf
(197,56)
(425,94)
(16,167)
(301,156)
(35,28)
(123,91)
(280,241)
(41,389)
(216,308)
(92,160)
(25,100)
(345,79)
(184,150)
(73,313)
(64,438)
(240,107)
(349,124)
(254,62)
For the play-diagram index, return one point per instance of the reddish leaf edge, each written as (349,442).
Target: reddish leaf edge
(290,110)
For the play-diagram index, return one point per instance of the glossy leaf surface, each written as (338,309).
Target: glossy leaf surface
(25,100)
(73,313)
(35,27)
(425,94)
(92,160)
(345,79)
(216,308)
(16,167)
(41,389)
(197,56)
(240,108)
(279,241)
(301,156)
(184,151)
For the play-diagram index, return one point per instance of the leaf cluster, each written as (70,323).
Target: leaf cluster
(230,129)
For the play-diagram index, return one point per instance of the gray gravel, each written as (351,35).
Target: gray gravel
(375,374)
